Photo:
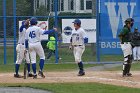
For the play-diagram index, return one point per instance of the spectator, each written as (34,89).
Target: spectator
(51,47)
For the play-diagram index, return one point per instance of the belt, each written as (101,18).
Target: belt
(21,43)
(77,45)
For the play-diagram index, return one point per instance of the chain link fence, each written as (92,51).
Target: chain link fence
(72,9)
(53,11)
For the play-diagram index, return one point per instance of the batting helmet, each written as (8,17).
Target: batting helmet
(33,21)
(77,21)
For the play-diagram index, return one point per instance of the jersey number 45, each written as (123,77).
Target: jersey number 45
(32,34)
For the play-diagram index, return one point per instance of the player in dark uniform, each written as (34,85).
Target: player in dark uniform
(125,38)
(136,42)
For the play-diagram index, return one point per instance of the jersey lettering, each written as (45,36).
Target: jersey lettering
(77,38)
(32,34)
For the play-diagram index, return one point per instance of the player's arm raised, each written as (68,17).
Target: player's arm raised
(50,31)
(25,24)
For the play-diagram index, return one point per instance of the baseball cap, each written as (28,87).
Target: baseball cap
(77,21)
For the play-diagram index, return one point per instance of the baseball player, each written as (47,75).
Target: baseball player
(136,42)
(78,40)
(33,44)
(125,37)
(20,50)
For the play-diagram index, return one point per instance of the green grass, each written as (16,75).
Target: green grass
(134,67)
(47,67)
(88,56)
(65,54)
(111,58)
(78,88)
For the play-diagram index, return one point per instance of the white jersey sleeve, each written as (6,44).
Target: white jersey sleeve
(83,33)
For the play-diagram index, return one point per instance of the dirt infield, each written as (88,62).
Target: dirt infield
(105,77)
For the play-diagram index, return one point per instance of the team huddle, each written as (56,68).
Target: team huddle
(29,44)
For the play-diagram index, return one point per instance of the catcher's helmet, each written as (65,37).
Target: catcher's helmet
(33,21)
(129,20)
(77,21)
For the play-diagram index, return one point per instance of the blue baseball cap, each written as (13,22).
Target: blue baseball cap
(77,21)
(33,21)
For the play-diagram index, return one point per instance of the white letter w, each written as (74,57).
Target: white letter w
(114,17)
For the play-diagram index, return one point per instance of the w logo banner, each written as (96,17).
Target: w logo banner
(113,13)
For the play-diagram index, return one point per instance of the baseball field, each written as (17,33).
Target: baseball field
(62,77)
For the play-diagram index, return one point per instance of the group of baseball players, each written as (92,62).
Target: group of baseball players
(29,44)
(130,45)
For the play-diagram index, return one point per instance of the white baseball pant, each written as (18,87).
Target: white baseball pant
(36,48)
(127,49)
(136,53)
(78,52)
(20,54)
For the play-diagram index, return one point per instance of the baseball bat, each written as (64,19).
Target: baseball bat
(48,18)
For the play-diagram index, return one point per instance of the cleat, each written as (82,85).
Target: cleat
(81,73)
(129,75)
(123,75)
(34,76)
(40,73)
(30,75)
(17,76)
